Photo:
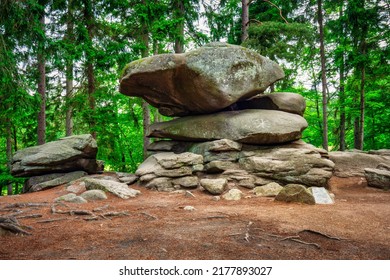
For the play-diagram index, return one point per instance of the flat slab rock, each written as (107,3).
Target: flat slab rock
(201,81)
(247,126)
(353,163)
(119,189)
(282,101)
(71,153)
(378,178)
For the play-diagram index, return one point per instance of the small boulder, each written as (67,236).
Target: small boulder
(295,193)
(270,189)
(92,195)
(71,197)
(186,182)
(233,194)
(214,186)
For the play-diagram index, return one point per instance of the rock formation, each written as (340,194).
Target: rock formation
(229,134)
(74,153)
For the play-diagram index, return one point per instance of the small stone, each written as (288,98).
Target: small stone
(76,187)
(233,194)
(94,195)
(197,168)
(189,194)
(271,189)
(71,197)
(216,198)
(214,186)
(189,208)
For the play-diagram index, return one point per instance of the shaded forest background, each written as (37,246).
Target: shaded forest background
(60,62)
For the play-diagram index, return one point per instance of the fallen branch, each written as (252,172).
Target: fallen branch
(321,234)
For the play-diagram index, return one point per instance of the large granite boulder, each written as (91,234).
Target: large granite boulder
(283,101)
(201,81)
(74,153)
(247,126)
(353,163)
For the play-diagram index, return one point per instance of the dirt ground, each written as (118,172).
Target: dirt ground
(157,226)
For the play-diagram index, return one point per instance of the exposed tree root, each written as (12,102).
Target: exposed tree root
(321,234)
(12,225)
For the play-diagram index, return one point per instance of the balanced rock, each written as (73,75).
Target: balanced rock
(201,81)
(247,126)
(71,153)
(378,178)
(282,101)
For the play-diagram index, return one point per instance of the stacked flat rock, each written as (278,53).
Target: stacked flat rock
(242,136)
(56,163)
(169,171)
(219,89)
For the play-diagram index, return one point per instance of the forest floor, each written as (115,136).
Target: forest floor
(156,226)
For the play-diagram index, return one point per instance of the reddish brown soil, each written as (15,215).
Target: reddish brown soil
(158,227)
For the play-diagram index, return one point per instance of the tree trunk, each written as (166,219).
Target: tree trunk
(69,73)
(88,16)
(360,145)
(244,19)
(69,111)
(179,36)
(9,152)
(146,125)
(342,88)
(323,79)
(41,131)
